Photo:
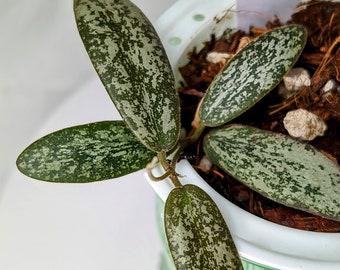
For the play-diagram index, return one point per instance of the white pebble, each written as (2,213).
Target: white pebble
(304,125)
(205,164)
(296,79)
(217,57)
(329,87)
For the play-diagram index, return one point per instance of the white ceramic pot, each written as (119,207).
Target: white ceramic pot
(261,244)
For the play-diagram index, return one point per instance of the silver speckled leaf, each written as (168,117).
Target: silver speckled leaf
(131,62)
(86,153)
(197,234)
(251,74)
(278,167)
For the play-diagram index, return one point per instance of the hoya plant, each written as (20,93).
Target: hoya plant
(131,62)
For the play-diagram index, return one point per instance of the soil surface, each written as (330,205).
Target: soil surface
(321,57)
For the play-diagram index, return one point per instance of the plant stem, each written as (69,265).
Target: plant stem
(193,136)
(169,168)
(174,179)
(163,160)
(159,178)
(166,166)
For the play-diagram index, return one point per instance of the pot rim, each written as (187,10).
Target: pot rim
(257,239)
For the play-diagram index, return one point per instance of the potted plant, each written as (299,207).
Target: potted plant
(132,64)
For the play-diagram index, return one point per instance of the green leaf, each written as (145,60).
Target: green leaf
(85,153)
(197,234)
(131,62)
(251,74)
(278,167)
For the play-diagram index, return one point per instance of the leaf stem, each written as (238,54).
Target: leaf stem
(169,168)
(174,179)
(158,178)
(193,136)
(150,167)
(163,160)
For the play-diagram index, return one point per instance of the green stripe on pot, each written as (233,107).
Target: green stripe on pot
(251,265)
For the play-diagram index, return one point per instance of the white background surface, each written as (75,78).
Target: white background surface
(44,74)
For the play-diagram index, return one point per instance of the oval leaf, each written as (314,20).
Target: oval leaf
(131,62)
(85,153)
(197,234)
(280,168)
(251,74)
